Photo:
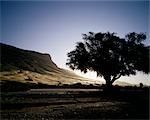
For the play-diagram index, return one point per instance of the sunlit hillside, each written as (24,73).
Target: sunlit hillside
(33,67)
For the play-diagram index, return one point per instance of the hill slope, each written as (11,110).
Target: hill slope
(13,58)
(33,67)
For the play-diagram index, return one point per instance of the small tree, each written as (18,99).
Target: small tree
(141,85)
(110,56)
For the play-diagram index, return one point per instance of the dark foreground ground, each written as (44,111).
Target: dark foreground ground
(50,104)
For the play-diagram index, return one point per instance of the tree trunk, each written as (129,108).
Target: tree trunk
(108,84)
(108,87)
(108,80)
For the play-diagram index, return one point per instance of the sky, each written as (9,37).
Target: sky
(55,27)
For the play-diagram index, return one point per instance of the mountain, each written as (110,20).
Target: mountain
(24,66)
(34,67)
(13,58)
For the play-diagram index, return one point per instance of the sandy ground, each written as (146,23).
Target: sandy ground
(50,105)
(69,109)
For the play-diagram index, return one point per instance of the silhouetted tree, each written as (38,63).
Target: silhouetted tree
(141,85)
(110,56)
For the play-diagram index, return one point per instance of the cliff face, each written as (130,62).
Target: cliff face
(13,58)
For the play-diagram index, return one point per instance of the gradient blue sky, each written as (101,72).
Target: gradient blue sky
(54,27)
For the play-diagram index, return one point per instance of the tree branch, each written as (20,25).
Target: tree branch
(115,78)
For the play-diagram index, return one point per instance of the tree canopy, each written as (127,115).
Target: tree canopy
(110,56)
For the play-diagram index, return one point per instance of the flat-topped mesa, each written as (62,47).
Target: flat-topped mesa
(13,58)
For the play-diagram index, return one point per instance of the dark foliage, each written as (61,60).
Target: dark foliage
(13,86)
(110,56)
